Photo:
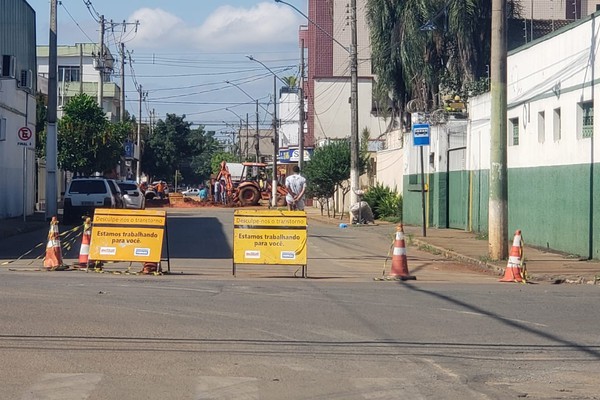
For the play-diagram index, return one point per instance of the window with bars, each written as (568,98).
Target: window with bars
(514,128)
(587,119)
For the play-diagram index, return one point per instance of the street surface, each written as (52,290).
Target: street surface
(200,333)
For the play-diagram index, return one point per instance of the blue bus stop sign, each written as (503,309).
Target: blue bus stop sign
(420,134)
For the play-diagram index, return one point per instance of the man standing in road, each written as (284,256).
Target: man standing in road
(296,186)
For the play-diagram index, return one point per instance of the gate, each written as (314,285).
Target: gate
(457,178)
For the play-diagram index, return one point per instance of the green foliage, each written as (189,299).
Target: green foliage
(41,115)
(385,202)
(174,146)
(215,161)
(87,142)
(329,167)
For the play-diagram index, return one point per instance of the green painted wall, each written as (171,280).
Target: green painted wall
(557,207)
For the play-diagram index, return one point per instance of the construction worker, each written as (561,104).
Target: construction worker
(296,186)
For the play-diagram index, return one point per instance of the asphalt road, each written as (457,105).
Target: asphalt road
(200,333)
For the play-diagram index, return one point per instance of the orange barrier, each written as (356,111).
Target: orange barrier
(399,268)
(53,259)
(513,272)
(151,268)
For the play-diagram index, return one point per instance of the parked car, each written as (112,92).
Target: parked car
(132,195)
(191,192)
(84,195)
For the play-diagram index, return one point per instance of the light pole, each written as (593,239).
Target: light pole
(256,135)
(354,143)
(239,135)
(275,132)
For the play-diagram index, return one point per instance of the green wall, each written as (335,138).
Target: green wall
(556,207)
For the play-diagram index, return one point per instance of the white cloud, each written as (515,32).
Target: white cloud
(226,29)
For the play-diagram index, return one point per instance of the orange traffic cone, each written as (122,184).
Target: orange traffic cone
(151,268)
(53,259)
(399,268)
(513,272)
(84,250)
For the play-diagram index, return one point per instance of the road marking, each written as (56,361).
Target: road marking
(226,388)
(485,315)
(63,387)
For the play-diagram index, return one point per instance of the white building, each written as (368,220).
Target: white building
(17,108)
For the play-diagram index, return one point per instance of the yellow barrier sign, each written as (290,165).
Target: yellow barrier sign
(127,235)
(269,237)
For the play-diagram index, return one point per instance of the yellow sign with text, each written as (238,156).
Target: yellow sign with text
(127,235)
(269,237)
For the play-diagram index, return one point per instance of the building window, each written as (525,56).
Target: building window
(556,123)
(68,74)
(541,127)
(586,110)
(514,128)
(2,129)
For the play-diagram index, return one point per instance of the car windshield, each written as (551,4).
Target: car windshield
(127,186)
(88,187)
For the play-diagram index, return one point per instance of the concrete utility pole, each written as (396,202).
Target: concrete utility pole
(247,136)
(275,145)
(122,113)
(51,137)
(138,165)
(257,142)
(354,143)
(101,64)
(301,111)
(498,197)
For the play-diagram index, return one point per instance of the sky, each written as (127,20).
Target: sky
(184,52)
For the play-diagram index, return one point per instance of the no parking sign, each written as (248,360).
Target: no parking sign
(25,137)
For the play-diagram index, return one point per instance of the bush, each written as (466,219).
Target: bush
(385,203)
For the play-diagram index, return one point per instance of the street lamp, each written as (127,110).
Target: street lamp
(275,132)
(256,135)
(354,143)
(239,136)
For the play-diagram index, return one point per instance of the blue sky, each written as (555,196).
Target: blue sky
(184,52)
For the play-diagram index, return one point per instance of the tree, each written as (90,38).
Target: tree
(328,169)
(87,142)
(421,48)
(217,157)
(174,146)
(290,81)
(41,113)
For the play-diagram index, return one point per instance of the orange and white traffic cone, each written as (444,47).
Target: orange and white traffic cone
(53,259)
(151,268)
(84,250)
(399,268)
(513,272)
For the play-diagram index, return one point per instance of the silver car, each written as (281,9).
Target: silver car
(132,195)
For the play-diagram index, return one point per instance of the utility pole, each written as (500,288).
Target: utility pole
(247,136)
(138,169)
(301,111)
(51,137)
(80,68)
(498,195)
(122,113)
(257,142)
(101,64)
(354,144)
(275,145)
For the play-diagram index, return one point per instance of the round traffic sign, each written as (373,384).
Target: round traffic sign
(25,134)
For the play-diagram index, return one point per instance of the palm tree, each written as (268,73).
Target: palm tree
(423,48)
(290,81)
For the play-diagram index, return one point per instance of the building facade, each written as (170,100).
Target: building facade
(552,155)
(17,108)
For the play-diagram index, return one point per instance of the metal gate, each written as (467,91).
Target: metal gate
(457,178)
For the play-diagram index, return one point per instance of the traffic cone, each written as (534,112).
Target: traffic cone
(53,259)
(84,250)
(513,272)
(151,268)
(399,268)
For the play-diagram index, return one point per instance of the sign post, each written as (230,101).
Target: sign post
(421,135)
(25,140)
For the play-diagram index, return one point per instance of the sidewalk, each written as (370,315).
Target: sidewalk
(542,265)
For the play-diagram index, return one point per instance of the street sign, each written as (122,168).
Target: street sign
(420,134)
(25,137)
